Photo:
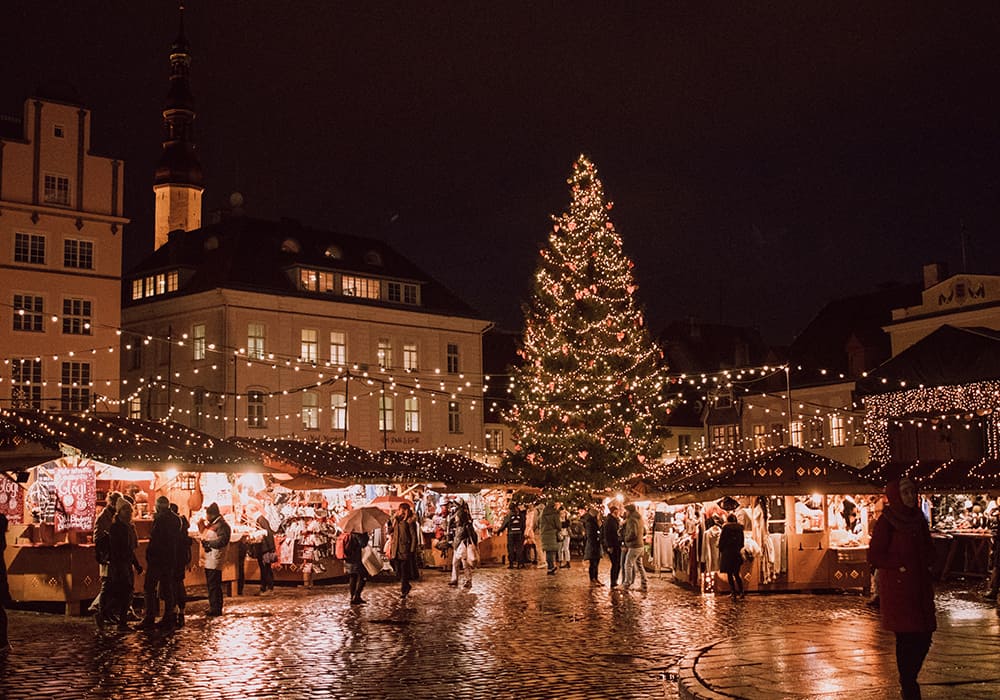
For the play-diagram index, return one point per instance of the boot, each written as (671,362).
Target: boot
(180,619)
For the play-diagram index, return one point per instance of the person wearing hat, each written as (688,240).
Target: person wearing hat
(215,534)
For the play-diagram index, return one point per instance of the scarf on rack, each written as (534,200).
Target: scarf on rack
(902,517)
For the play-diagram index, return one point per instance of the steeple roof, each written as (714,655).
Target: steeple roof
(178,164)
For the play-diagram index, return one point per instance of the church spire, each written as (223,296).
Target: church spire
(178,180)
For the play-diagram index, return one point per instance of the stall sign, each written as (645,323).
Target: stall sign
(11,501)
(41,495)
(76,494)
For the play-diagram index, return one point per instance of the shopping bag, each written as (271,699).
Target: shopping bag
(472,554)
(371,561)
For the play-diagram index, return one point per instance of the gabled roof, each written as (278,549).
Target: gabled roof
(243,253)
(948,356)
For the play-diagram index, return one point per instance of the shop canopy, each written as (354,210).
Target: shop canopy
(126,442)
(781,471)
(937,476)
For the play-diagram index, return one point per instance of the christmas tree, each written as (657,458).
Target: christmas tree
(587,394)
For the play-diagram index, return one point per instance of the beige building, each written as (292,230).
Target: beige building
(61,229)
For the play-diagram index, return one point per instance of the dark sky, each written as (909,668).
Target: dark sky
(763,158)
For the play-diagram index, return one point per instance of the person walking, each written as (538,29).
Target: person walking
(121,565)
(403,546)
(465,542)
(513,523)
(731,543)
(5,598)
(613,544)
(215,536)
(563,536)
(549,525)
(161,554)
(591,542)
(634,538)
(102,550)
(357,575)
(266,552)
(902,551)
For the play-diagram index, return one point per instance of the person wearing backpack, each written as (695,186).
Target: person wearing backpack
(102,550)
(355,569)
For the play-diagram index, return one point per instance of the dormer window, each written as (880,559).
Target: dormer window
(154,285)
(373,258)
(334,252)
(290,245)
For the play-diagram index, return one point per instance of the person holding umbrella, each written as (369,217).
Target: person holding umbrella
(359,522)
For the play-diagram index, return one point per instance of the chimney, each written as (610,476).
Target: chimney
(934,273)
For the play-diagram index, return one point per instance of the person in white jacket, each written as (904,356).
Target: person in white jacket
(215,534)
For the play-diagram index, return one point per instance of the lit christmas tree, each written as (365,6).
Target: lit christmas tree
(588,391)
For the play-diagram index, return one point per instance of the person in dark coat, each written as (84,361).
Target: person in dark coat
(101,528)
(591,542)
(266,554)
(513,523)
(549,525)
(121,564)
(613,543)
(902,551)
(356,572)
(403,546)
(5,598)
(182,560)
(161,554)
(731,543)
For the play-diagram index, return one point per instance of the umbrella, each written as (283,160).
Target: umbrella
(390,503)
(364,519)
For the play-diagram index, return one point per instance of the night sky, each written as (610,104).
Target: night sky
(762,160)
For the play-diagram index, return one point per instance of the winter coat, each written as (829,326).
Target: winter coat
(161,552)
(215,543)
(123,544)
(612,541)
(266,544)
(549,524)
(513,523)
(591,536)
(352,562)
(403,544)
(635,531)
(731,548)
(903,557)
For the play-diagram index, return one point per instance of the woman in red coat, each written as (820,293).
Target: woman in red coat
(902,551)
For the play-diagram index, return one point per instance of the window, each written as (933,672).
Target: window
(385,415)
(198,410)
(364,287)
(137,289)
(777,434)
(384,353)
(135,408)
(452,358)
(75,386)
(684,445)
(315,281)
(411,414)
(723,401)
(198,346)
(838,430)
(59,131)
(153,285)
(135,353)
(150,289)
(28,311)
(76,317)
(78,254)
(172,281)
(310,345)
(26,382)
(724,435)
(338,411)
(57,190)
(759,436)
(454,417)
(310,410)
(410,356)
(255,341)
(161,283)
(409,294)
(338,348)
(29,248)
(394,291)
(494,440)
(256,409)
(797,434)
(814,433)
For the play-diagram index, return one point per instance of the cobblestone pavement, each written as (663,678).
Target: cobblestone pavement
(514,634)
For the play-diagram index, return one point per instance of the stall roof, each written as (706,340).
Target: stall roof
(774,472)
(126,442)
(955,476)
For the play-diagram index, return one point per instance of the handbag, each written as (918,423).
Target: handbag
(269,557)
(371,560)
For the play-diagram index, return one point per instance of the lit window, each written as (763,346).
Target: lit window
(454,417)
(26,382)
(338,411)
(28,310)
(759,436)
(198,345)
(29,248)
(310,345)
(161,283)
(410,356)
(256,409)
(838,430)
(452,358)
(78,254)
(797,434)
(76,317)
(310,410)
(172,281)
(684,445)
(384,353)
(315,281)
(411,414)
(338,348)
(75,386)
(56,190)
(363,287)
(135,408)
(255,341)
(150,289)
(494,441)
(137,289)
(385,415)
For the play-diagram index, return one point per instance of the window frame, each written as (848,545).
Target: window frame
(309,347)
(77,321)
(310,411)
(338,351)
(452,358)
(411,414)
(386,414)
(256,409)
(454,418)
(29,247)
(74,255)
(199,348)
(58,192)
(75,381)
(36,316)
(253,351)
(31,386)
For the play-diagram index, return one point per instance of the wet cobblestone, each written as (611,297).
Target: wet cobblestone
(515,634)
